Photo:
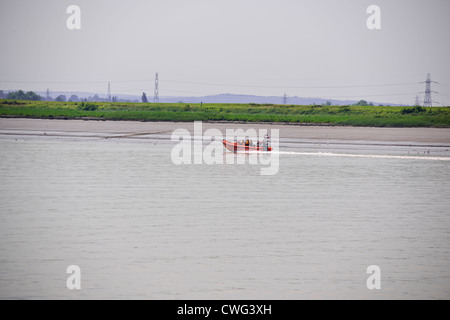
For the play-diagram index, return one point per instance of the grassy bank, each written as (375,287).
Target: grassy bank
(380,116)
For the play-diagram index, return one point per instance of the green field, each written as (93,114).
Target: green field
(379,116)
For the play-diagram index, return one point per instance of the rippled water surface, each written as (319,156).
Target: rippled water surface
(139,226)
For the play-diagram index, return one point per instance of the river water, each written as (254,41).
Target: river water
(140,227)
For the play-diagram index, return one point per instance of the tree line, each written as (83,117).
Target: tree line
(20,95)
(30,95)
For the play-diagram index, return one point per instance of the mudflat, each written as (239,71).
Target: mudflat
(21,126)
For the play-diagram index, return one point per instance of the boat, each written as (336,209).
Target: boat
(247,145)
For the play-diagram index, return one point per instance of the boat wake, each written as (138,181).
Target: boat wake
(350,155)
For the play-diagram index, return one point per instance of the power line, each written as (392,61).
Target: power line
(219,84)
(109,92)
(417,103)
(291,87)
(427,101)
(374,95)
(73,82)
(156,81)
(156,96)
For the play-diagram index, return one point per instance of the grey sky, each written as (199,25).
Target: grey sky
(202,47)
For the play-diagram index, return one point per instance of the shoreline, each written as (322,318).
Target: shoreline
(123,129)
(303,115)
(262,123)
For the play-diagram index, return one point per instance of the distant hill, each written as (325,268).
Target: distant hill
(219,98)
(238,98)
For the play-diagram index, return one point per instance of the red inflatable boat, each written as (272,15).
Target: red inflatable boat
(247,145)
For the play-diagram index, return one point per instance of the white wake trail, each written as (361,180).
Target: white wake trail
(349,155)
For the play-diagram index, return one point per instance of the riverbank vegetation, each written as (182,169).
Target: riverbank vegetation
(354,115)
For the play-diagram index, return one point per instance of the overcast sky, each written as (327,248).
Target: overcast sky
(306,48)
